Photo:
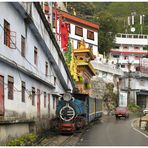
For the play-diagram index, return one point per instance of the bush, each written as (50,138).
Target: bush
(25,140)
(134,108)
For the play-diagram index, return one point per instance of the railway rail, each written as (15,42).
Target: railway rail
(60,140)
(64,140)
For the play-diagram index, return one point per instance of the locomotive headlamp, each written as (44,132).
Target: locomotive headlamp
(67,96)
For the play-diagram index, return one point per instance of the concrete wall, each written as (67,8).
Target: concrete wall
(9,131)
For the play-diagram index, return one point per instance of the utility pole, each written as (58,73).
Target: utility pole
(129,82)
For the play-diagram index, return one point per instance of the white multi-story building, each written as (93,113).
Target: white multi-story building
(128,55)
(129,50)
(33,72)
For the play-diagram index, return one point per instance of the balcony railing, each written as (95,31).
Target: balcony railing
(107,68)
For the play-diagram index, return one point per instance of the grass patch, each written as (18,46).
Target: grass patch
(26,140)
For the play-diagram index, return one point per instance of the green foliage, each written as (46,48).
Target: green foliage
(108,29)
(134,108)
(25,140)
(82,8)
(81,79)
(67,54)
(88,86)
(109,94)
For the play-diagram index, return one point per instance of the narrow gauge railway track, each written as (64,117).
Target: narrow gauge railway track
(61,140)
(64,140)
(58,140)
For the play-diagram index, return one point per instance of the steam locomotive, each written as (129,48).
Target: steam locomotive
(75,111)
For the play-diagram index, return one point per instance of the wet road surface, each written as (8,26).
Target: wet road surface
(112,132)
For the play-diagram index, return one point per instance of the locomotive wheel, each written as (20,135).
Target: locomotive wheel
(80,122)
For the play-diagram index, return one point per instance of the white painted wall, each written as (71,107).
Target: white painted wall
(134,39)
(75,38)
(14,56)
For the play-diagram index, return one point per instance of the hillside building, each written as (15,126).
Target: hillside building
(74,28)
(129,49)
(129,56)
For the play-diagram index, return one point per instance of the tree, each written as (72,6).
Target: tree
(82,8)
(110,97)
(108,29)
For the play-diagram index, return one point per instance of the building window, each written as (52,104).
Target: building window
(46,68)
(22,46)
(135,36)
(90,35)
(49,103)
(44,99)
(125,57)
(69,29)
(54,100)
(136,48)
(137,58)
(54,21)
(10,87)
(6,33)
(33,96)
(78,31)
(122,66)
(54,80)
(23,91)
(116,56)
(35,55)
(125,47)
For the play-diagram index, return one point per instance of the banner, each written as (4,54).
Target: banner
(64,35)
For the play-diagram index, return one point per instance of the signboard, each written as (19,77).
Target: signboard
(144,62)
(123,99)
(144,65)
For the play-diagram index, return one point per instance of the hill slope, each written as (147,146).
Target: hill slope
(119,11)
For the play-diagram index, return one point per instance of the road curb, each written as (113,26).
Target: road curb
(136,128)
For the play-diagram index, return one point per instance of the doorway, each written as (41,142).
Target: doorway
(1,95)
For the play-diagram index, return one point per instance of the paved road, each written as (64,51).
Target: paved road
(112,132)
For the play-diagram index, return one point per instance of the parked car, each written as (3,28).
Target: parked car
(145,111)
(121,112)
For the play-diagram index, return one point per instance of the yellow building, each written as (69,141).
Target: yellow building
(85,70)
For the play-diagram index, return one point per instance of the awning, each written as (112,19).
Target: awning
(142,93)
(56,94)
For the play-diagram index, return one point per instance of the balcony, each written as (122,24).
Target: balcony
(137,74)
(107,68)
(132,39)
